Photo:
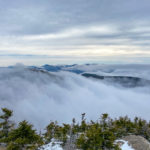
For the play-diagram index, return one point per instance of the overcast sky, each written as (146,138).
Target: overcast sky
(35,32)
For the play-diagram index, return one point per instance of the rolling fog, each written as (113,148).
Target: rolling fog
(39,97)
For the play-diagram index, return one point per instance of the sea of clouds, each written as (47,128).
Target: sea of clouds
(39,96)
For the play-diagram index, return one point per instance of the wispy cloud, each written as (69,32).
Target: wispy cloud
(52,27)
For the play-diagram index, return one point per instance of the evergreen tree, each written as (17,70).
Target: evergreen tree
(50,131)
(99,135)
(23,137)
(5,124)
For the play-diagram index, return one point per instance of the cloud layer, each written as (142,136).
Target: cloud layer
(40,97)
(106,30)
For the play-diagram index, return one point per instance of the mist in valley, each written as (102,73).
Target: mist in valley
(40,96)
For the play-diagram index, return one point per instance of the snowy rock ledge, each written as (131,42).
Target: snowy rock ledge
(54,145)
(50,146)
(133,142)
(124,145)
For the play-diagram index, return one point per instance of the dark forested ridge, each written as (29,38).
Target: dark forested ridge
(84,135)
(126,81)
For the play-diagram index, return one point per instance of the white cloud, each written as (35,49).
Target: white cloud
(74,32)
(63,96)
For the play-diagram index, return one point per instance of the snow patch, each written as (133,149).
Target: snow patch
(52,146)
(125,145)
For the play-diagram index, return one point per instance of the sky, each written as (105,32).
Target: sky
(36,32)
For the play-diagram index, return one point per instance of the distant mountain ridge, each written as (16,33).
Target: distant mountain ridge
(125,81)
(104,73)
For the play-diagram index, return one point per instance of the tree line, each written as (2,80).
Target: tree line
(84,135)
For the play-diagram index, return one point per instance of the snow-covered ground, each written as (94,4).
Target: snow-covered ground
(125,145)
(52,146)
(56,146)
